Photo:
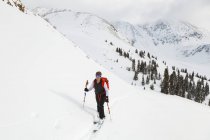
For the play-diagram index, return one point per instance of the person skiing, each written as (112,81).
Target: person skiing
(101,86)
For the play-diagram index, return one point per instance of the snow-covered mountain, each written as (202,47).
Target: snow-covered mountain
(165,36)
(42,80)
(163,32)
(201,50)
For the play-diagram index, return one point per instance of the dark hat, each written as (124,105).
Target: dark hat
(98,73)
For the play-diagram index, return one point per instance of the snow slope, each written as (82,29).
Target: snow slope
(42,80)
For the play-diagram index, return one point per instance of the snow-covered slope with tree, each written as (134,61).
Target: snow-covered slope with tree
(92,34)
(15,3)
(42,80)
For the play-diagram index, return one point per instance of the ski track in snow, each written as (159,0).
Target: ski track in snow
(92,112)
(88,135)
(87,109)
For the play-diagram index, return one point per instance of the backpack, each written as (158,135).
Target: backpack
(103,81)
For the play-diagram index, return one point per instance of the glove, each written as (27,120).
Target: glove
(107,99)
(86,90)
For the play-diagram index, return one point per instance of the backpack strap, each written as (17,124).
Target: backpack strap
(94,82)
(105,80)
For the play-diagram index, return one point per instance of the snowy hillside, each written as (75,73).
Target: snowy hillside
(92,34)
(41,91)
(41,82)
(84,20)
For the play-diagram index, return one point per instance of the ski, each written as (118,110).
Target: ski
(95,122)
(98,125)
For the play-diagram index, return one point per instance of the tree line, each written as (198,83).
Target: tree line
(196,89)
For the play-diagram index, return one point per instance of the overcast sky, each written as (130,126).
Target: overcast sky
(196,12)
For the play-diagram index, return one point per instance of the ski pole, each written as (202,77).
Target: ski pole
(109,111)
(85,93)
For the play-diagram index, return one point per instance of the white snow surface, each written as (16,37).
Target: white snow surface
(41,94)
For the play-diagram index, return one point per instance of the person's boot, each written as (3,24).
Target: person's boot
(101,120)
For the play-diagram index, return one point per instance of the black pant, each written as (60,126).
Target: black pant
(100,99)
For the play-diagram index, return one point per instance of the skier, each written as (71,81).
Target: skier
(101,86)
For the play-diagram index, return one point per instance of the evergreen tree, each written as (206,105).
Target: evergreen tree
(202,81)
(154,71)
(135,76)
(198,95)
(186,82)
(142,67)
(138,66)
(206,89)
(177,87)
(182,85)
(165,83)
(202,93)
(178,73)
(173,68)
(193,92)
(197,75)
(159,77)
(154,81)
(148,55)
(142,82)
(185,70)
(193,74)
(189,91)
(172,83)
(121,52)
(149,68)
(147,80)
(189,86)
(152,87)
(125,54)
(136,51)
(133,65)
(152,76)
(117,50)
(145,68)
(189,96)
